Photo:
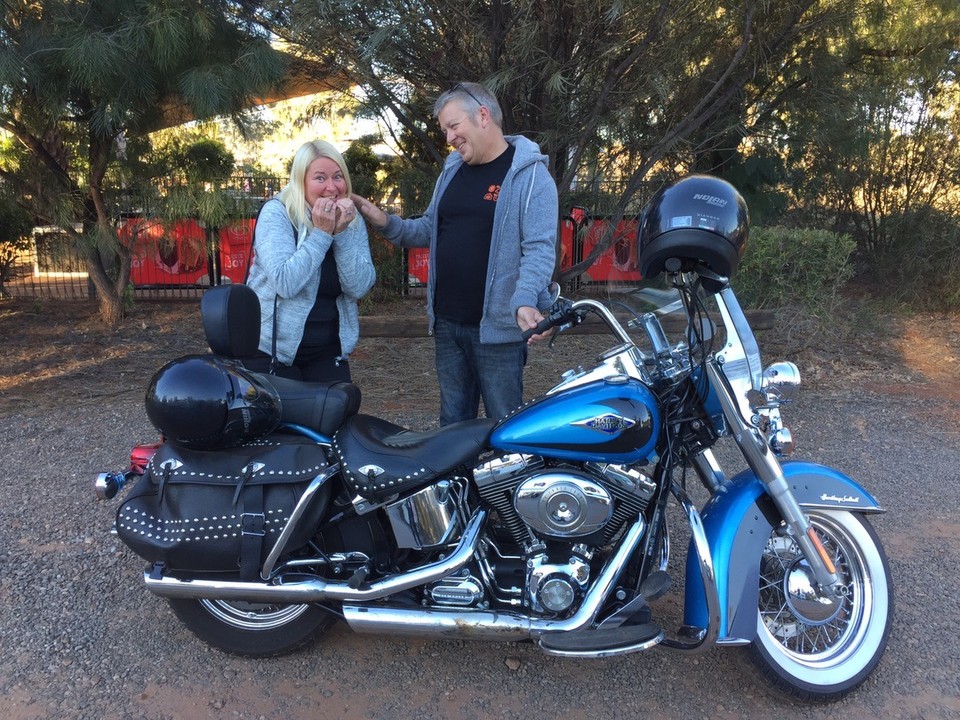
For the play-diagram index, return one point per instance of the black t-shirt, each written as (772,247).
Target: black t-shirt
(322,329)
(464,231)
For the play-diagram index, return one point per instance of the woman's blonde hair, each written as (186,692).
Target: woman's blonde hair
(292,195)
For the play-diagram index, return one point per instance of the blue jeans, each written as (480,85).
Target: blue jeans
(468,370)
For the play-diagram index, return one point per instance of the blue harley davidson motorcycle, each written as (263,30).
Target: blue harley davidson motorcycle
(272,507)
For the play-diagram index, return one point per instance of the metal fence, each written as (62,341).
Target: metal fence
(179,259)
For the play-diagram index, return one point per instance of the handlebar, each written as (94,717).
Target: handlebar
(541,326)
(565,312)
(561,313)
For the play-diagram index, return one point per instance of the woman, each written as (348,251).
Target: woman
(311,264)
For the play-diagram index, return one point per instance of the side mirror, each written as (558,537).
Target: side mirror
(553,289)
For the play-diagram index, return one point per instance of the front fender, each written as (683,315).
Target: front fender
(737,521)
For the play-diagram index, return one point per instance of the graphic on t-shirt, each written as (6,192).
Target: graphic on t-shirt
(493,192)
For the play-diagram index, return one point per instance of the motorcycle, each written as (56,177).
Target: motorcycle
(273,507)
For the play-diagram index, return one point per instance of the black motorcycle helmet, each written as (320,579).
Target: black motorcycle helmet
(696,222)
(205,402)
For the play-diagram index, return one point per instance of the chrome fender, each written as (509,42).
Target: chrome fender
(737,521)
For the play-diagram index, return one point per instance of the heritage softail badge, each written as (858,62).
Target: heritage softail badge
(608,424)
(711,199)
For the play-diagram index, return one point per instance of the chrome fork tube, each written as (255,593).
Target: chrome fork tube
(762,461)
(708,470)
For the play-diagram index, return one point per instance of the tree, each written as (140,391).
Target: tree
(630,91)
(615,90)
(15,225)
(81,82)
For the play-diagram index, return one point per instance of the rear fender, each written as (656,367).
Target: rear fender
(737,522)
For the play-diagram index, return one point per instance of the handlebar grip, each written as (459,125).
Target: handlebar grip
(542,326)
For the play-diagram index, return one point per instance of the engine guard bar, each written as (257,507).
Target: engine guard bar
(701,638)
(308,589)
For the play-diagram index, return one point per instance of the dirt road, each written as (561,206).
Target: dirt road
(82,638)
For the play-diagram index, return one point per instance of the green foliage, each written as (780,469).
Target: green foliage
(920,265)
(81,82)
(207,160)
(364,165)
(844,110)
(15,225)
(802,268)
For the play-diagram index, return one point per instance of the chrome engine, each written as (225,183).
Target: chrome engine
(561,503)
(548,524)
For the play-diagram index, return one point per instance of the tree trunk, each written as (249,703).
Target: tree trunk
(110,293)
(111,302)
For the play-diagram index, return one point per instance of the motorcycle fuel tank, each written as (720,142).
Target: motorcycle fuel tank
(612,420)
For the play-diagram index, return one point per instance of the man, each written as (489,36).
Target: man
(491,228)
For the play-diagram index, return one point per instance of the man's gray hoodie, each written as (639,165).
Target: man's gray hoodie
(523,246)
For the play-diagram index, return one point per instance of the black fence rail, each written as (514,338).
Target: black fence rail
(178,259)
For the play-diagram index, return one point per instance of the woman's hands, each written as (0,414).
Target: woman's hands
(332,216)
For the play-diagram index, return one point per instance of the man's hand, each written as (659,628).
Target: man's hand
(374,215)
(527,319)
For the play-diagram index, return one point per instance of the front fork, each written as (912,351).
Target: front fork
(767,468)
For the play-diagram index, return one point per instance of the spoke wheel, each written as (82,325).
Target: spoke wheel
(253,629)
(814,647)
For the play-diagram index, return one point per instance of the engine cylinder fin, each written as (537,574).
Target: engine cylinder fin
(627,507)
(496,482)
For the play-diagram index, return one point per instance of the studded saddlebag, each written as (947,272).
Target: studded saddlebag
(222,511)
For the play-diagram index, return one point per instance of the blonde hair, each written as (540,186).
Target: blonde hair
(292,195)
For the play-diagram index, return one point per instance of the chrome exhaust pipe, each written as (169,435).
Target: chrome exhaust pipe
(483,625)
(312,590)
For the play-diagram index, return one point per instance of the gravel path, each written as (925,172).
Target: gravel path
(82,638)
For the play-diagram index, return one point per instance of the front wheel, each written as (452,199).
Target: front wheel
(252,629)
(812,647)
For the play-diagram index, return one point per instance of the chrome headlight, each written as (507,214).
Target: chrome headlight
(780,382)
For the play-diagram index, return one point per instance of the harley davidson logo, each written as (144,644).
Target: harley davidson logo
(608,424)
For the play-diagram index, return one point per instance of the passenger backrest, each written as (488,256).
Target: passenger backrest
(231,320)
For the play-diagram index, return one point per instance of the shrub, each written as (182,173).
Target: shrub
(920,264)
(797,271)
(785,266)
(14,238)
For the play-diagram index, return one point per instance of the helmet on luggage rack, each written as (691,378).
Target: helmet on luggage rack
(204,402)
(695,222)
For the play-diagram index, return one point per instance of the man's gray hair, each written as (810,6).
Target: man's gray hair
(471,96)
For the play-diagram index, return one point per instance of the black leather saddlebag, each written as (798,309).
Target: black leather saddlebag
(222,511)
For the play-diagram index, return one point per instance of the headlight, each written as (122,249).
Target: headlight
(780,382)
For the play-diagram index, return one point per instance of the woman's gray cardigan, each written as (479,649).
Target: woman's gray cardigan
(287,268)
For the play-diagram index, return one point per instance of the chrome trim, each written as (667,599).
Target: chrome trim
(426,519)
(561,504)
(311,589)
(288,529)
(107,485)
(484,625)
(709,471)
(610,652)
(742,351)
(708,576)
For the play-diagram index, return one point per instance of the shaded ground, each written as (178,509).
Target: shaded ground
(58,353)
(83,639)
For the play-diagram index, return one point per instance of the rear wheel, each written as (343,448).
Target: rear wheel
(810,646)
(253,629)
